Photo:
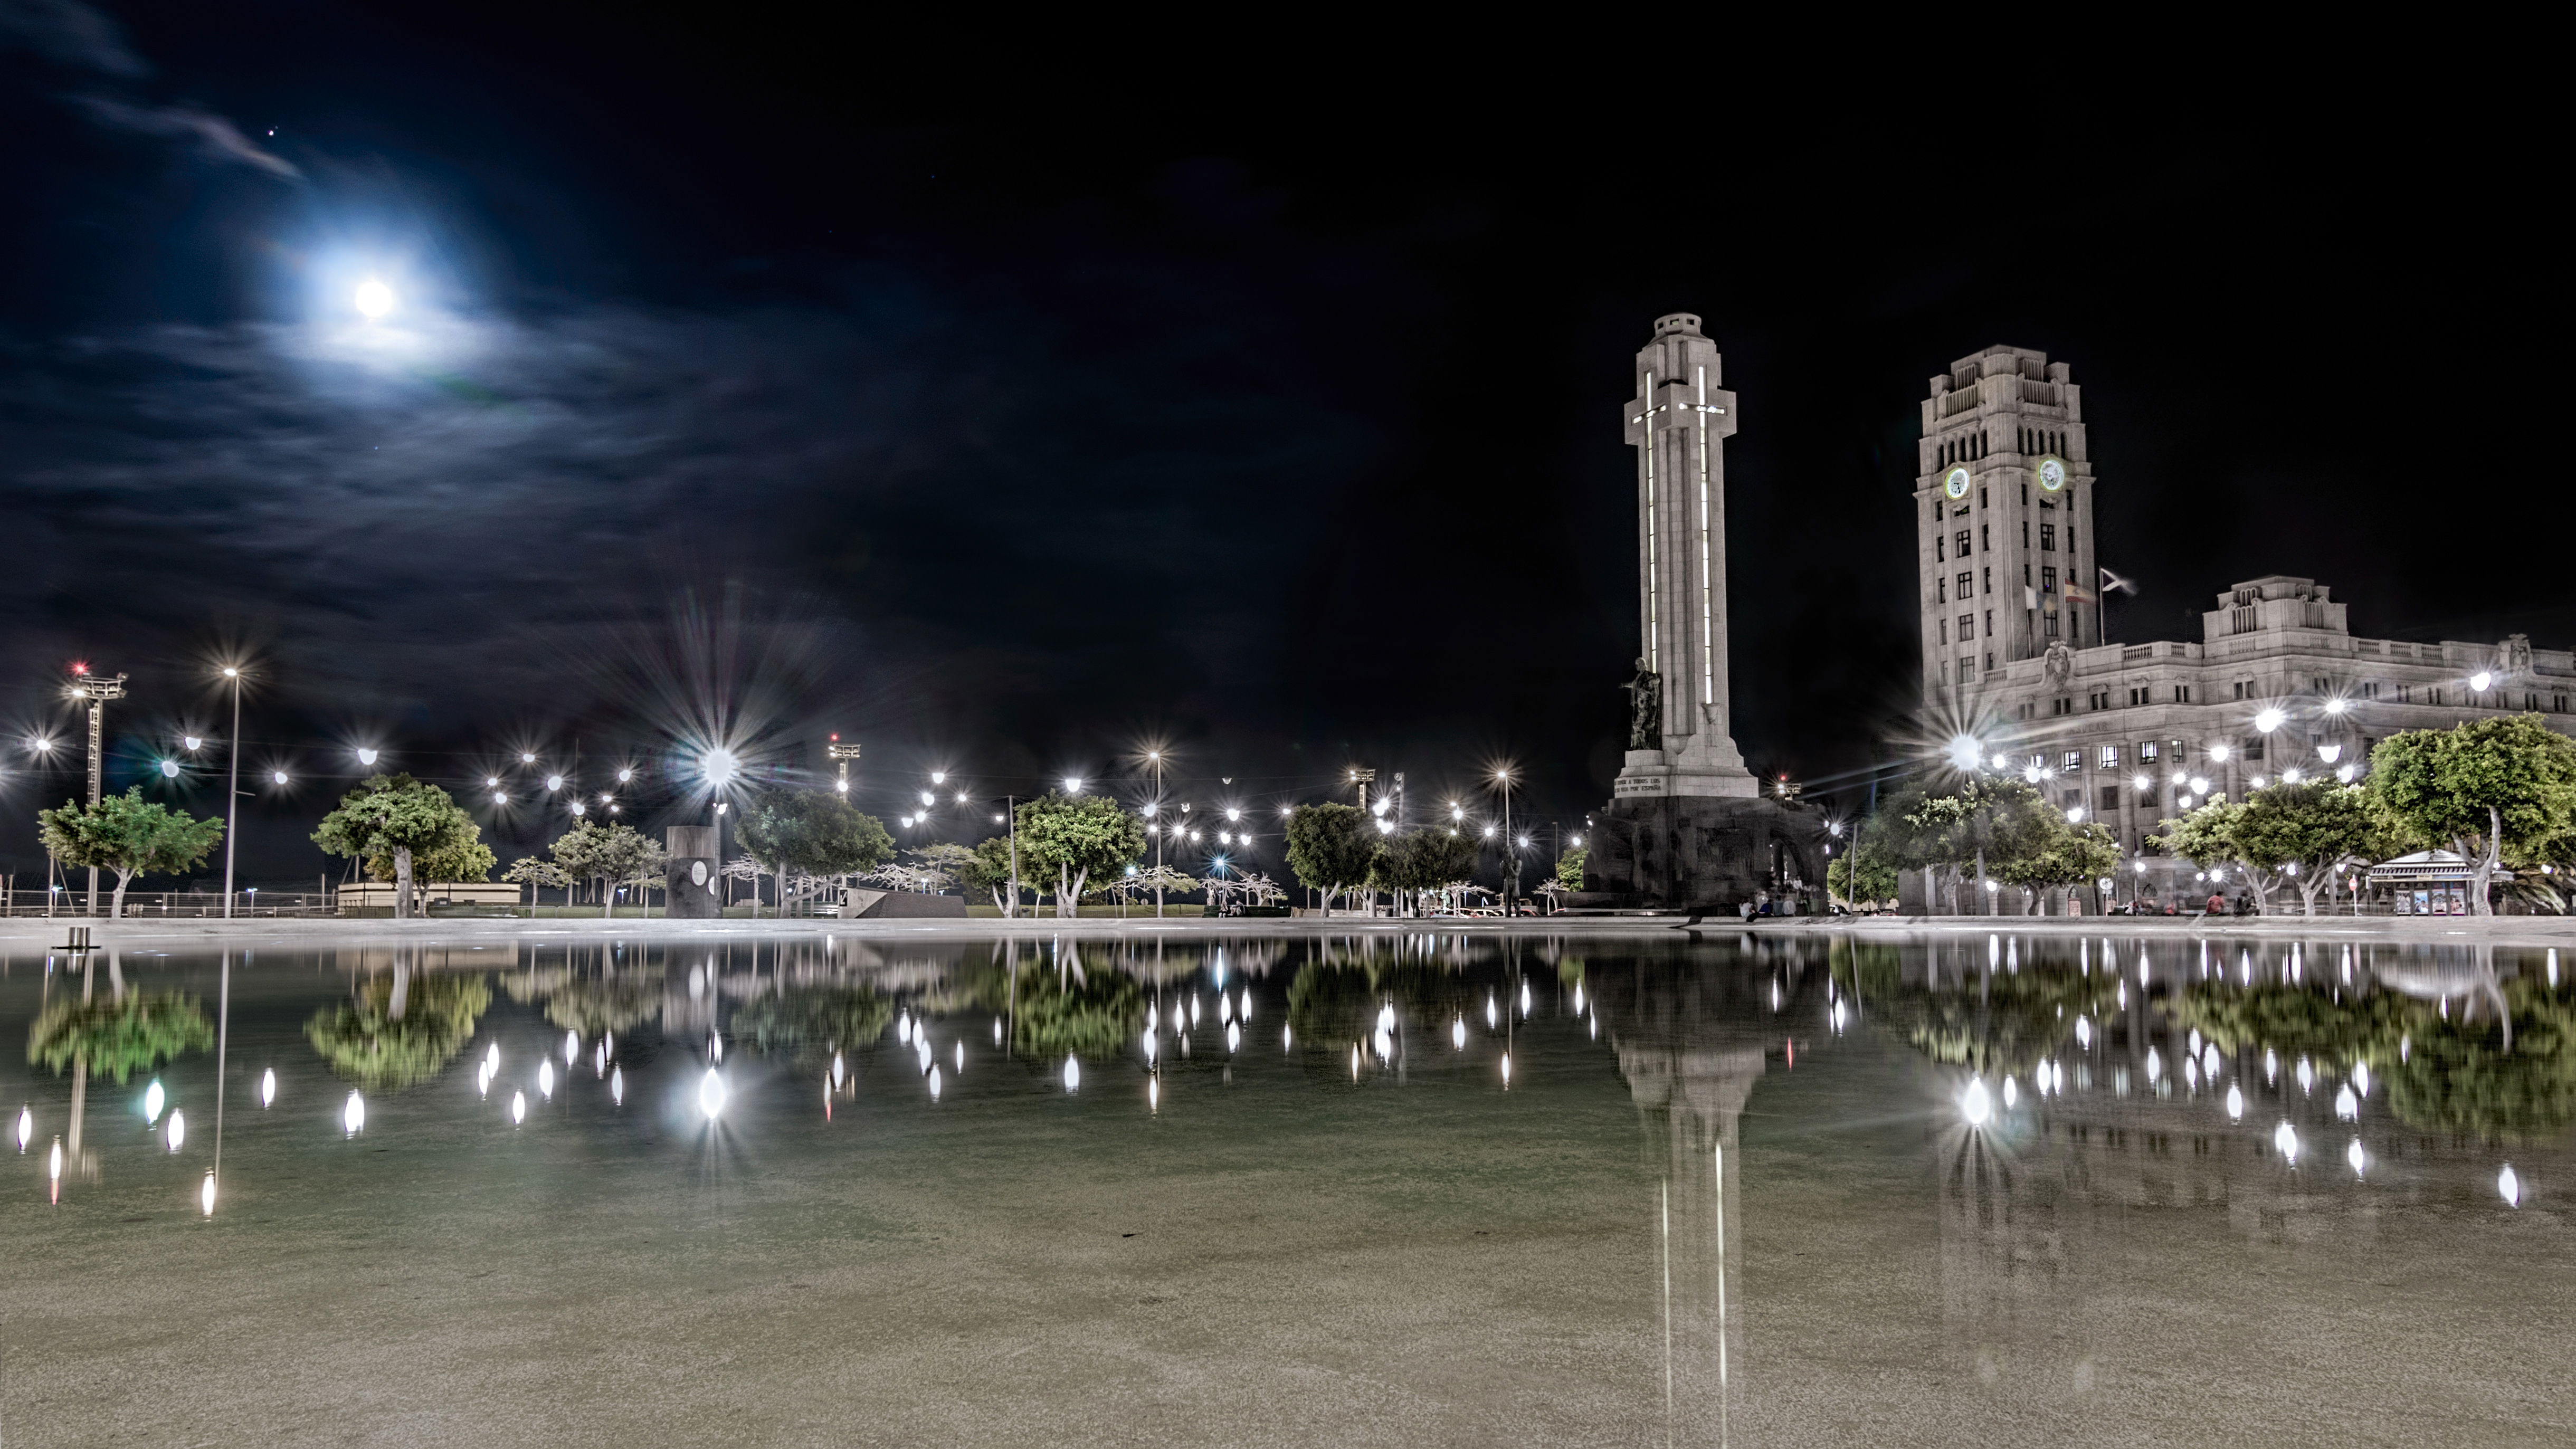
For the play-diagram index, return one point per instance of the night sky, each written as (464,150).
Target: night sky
(748,379)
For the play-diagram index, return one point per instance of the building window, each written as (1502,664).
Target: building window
(2436,693)
(1937,555)
(1967,669)
(1989,574)
(2558,703)
(1940,591)
(1967,627)
(2071,761)
(2254,748)
(2148,754)
(2108,756)
(1985,539)
(1965,582)
(1943,625)
(2048,538)
(2182,694)
(2138,695)
(2110,799)
(2048,579)
(2098,699)
(1990,614)
(1990,655)
(2025,530)
(2051,617)
(1960,540)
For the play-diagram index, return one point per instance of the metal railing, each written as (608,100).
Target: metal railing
(169,905)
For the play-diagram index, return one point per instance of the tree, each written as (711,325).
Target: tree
(2207,837)
(1422,860)
(2063,855)
(1990,822)
(814,833)
(1331,848)
(989,869)
(536,874)
(2307,830)
(1877,874)
(2499,791)
(400,818)
(128,835)
(1077,836)
(1569,868)
(609,854)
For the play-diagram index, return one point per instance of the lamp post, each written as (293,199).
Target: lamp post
(232,789)
(95,692)
(1512,856)
(1155,758)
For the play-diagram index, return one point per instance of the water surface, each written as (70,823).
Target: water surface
(1730,1190)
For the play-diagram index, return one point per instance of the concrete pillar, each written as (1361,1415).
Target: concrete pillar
(695,892)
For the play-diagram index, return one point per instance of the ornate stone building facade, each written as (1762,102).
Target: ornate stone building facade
(2015,654)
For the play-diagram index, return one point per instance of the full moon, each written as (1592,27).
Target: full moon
(374,298)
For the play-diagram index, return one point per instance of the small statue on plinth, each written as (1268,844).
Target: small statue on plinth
(1645,709)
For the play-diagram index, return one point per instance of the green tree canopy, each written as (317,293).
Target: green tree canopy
(2307,830)
(404,820)
(989,870)
(611,854)
(119,1038)
(1569,868)
(128,835)
(1423,860)
(1331,848)
(2000,825)
(1075,837)
(2499,791)
(813,833)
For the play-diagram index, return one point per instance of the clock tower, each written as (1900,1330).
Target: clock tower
(2003,509)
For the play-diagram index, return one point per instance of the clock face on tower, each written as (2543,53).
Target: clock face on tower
(1955,483)
(2052,473)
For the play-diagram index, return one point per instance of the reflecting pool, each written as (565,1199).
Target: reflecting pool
(1384,1188)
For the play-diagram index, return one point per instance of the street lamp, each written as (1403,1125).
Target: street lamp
(1073,784)
(2267,720)
(2480,680)
(366,757)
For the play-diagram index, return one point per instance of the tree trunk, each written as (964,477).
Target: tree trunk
(402,882)
(607,897)
(2481,875)
(401,997)
(116,904)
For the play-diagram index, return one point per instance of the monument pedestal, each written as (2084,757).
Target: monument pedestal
(1705,852)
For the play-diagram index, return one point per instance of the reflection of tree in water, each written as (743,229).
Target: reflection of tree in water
(1339,1000)
(812,1021)
(119,1038)
(594,1005)
(2443,1071)
(399,1030)
(1089,1014)
(1993,1021)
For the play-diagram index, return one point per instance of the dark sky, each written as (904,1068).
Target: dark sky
(753,378)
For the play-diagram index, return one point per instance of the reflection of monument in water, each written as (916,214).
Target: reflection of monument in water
(1692,1044)
(1687,824)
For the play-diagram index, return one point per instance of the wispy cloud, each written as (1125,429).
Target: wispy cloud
(80,39)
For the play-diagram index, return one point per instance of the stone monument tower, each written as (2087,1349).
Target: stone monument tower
(1687,825)
(1678,739)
